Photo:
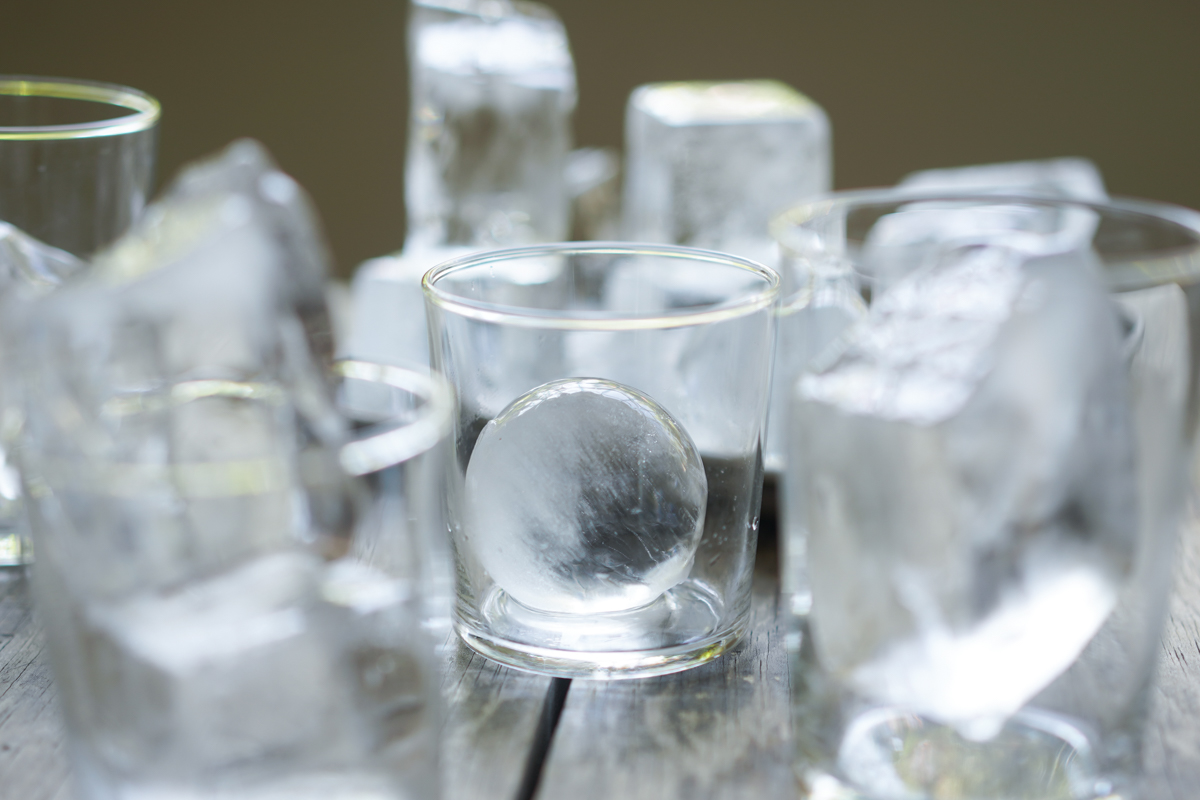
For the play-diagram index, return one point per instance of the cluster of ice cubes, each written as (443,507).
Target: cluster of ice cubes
(180,428)
(585,496)
(968,482)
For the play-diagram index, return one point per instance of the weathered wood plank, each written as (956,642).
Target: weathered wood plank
(33,764)
(1173,734)
(716,731)
(496,722)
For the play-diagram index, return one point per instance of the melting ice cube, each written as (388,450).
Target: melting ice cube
(710,163)
(173,385)
(1075,178)
(585,496)
(223,671)
(493,88)
(968,484)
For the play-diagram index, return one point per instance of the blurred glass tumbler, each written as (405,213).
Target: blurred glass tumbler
(76,159)
(984,486)
(300,670)
(76,163)
(604,509)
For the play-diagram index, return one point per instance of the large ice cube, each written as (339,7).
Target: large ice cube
(493,88)
(221,672)
(173,385)
(585,496)
(1075,178)
(387,322)
(708,164)
(968,483)
(910,236)
(28,269)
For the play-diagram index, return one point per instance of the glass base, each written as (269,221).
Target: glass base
(887,753)
(678,631)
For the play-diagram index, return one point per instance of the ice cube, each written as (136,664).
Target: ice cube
(218,673)
(968,483)
(388,319)
(708,164)
(905,239)
(493,89)
(585,496)
(28,269)
(1075,178)
(818,309)
(173,385)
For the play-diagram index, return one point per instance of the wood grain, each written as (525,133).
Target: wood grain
(717,731)
(497,724)
(1173,734)
(33,764)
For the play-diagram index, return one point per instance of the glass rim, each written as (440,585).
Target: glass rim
(556,319)
(394,446)
(821,205)
(1153,268)
(146,110)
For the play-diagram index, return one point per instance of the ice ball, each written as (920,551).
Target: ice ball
(585,496)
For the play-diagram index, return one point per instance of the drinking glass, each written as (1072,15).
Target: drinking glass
(76,164)
(927,659)
(302,660)
(76,159)
(610,401)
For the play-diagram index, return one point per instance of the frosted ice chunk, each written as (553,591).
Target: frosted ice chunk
(220,672)
(585,496)
(708,164)
(909,237)
(388,319)
(968,484)
(28,269)
(814,316)
(1074,178)
(174,385)
(493,88)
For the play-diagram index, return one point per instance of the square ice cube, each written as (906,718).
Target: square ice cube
(708,164)
(968,483)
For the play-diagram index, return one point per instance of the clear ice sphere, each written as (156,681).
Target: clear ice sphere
(585,496)
(709,164)
(968,484)
(1075,178)
(493,90)
(220,672)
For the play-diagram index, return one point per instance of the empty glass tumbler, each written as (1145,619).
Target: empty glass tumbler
(76,165)
(76,159)
(985,478)
(610,407)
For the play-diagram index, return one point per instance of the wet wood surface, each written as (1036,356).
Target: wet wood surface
(719,731)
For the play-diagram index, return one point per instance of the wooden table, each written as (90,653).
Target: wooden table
(718,731)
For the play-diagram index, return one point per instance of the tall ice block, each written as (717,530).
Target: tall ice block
(493,89)
(709,164)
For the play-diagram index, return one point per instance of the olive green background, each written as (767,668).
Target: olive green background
(908,84)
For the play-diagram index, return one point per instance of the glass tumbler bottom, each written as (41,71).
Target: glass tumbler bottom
(680,630)
(888,753)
